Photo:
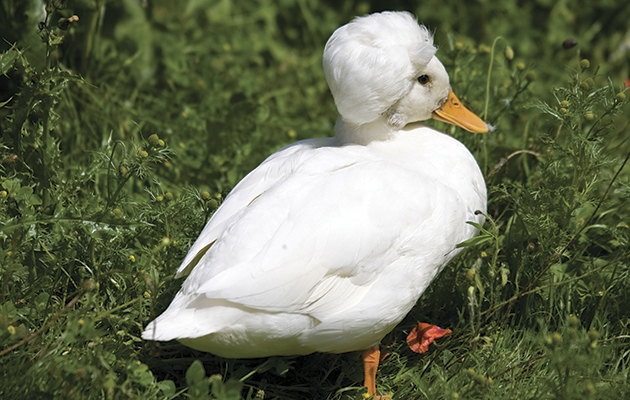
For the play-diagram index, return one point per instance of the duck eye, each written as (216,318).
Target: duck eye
(424,79)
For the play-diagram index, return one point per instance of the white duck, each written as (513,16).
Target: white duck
(329,243)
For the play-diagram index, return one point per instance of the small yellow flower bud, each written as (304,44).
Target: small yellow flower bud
(161,143)
(168,196)
(470,275)
(291,133)
(159,198)
(212,204)
(564,104)
(132,258)
(530,76)
(556,338)
(143,154)
(146,295)
(589,116)
(471,373)
(520,66)
(11,329)
(3,194)
(459,45)
(166,241)
(620,97)
(90,285)
(154,140)
(584,64)
(593,335)
(590,83)
(480,379)
(117,212)
(509,53)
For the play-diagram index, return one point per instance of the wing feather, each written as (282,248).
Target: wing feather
(269,173)
(317,240)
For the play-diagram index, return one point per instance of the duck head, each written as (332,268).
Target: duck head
(383,74)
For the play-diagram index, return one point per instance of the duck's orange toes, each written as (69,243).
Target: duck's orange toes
(423,335)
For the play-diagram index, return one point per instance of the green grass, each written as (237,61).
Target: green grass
(123,131)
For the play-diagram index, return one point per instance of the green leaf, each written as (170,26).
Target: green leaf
(476,225)
(477,240)
(230,390)
(7,59)
(8,312)
(23,193)
(41,301)
(4,103)
(195,373)
(198,385)
(505,273)
(11,185)
(167,387)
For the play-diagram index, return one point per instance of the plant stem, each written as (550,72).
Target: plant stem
(485,110)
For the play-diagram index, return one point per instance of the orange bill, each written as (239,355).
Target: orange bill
(453,112)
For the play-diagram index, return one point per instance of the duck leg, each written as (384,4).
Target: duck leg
(371,358)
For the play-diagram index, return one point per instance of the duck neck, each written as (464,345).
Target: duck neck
(349,133)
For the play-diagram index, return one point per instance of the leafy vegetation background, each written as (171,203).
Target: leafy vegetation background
(123,130)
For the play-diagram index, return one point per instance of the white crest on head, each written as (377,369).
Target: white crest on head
(371,62)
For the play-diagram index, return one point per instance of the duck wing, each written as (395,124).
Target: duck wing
(318,240)
(273,169)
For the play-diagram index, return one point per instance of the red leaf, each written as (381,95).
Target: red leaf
(423,335)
